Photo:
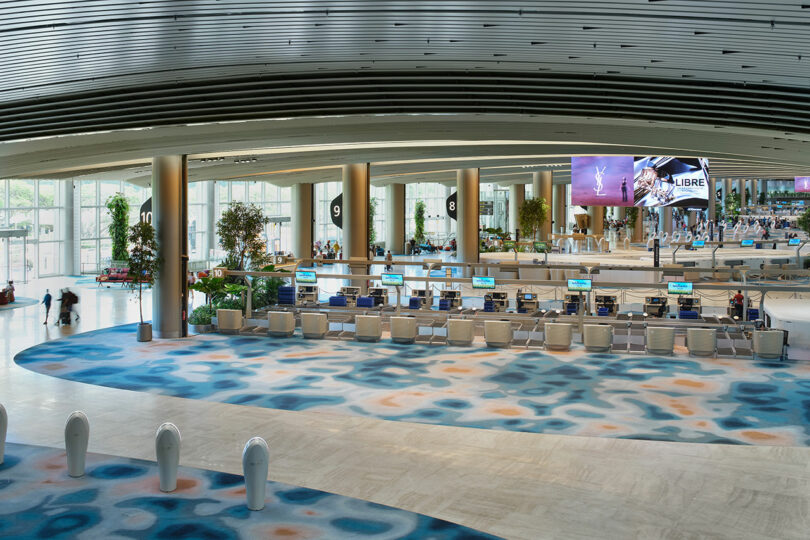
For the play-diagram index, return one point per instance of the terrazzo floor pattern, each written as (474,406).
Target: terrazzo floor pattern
(680,399)
(120,498)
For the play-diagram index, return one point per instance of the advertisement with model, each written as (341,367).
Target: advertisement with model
(670,181)
(801,184)
(641,181)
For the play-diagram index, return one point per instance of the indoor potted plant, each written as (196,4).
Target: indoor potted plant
(144,262)
(201,318)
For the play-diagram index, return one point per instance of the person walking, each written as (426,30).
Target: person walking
(389,259)
(47,301)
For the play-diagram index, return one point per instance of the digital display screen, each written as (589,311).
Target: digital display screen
(794,241)
(747,243)
(679,287)
(801,184)
(698,243)
(305,276)
(579,285)
(640,181)
(483,282)
(528,297)
(392,280)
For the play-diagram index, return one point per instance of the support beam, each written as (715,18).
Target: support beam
(467,185)
(559,210)
(638,226)
(726,191)
(665,219)
(395,218)
(741,191)
(169,216)
(210,219)
(712,211)
(597,215)
(356,191)
(302,196)
(542,186)
(517,194)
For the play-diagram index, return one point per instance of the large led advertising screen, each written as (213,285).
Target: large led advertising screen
(602,180)
(801,184)
(669,181)
(640,181)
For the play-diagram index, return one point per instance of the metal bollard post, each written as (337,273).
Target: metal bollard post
(167,450)
(77,435)
(255,461)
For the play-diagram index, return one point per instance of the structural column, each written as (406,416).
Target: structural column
(210,219)
(712,210)
(467,222)
(597,219)
(302,196)
(517,194)
(665,219)
(355,210)
(638,226)
(559,209)
(541,186)
(395,218)
(170,219)
(754,193)
(741,191)
(68,229)
(448,221)
(726,192)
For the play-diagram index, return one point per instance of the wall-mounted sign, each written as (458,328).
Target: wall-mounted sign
(452,205)
(336,211)
(486,208)
(146,211)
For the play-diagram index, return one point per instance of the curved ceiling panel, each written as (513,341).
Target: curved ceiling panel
(78,66)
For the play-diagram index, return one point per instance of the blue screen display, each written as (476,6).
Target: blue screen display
(305,276)
(747,243)
(794,241)
(483,282)
(679,287)
(699,243)
(579,285)
(392,280)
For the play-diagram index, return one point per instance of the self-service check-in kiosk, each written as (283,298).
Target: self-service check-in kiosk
(656,306)
(450,298)
(423,295)
(526,302)
(351,293)
(606,305)
(379,294)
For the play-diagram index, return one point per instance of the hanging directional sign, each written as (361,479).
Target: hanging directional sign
(452,205)
(486,208)
(146,211)
(336,210)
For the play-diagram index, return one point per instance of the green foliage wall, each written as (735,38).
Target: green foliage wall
(419,220)
(118,208)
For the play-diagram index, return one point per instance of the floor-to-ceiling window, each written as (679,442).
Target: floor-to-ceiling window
(493,206)
(434,196)
(95,251)
(36,206)
(325,230)
(378,225)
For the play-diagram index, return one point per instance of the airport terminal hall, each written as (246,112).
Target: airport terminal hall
(425,270)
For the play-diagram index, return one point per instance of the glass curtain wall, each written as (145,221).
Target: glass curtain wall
(36,206)
(494,215)
(438,228)
(325,230)
(95,252)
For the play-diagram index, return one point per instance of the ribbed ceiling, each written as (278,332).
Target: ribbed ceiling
(79,66)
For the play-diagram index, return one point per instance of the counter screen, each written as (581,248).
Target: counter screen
(579,285)
(679,287)
(392,280)
(483,282)
(747,243)
(305,276)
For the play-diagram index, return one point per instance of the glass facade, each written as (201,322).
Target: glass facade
(37,207)
(438,227)
(275,201)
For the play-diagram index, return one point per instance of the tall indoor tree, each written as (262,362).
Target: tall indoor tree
(144,263)
(241,235)
(532,216)
(118,209)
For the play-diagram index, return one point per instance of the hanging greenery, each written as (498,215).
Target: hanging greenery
(419,220)
(118,209)
(532,215)
(372,212)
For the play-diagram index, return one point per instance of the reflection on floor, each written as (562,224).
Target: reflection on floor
(680,399)
(19,302)
(119,497)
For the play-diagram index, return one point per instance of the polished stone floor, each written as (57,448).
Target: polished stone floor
(511,484)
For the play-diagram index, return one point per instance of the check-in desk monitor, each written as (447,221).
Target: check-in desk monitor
(351,294)
(392,280)
(307,294)
(305,276)
(747,243)
(794,241)
(423,295)
(379,294)
(607,303)
(579,285)
(689,303)
(483,282)
(499,299)
(452,296)
(656,306)
(526,302)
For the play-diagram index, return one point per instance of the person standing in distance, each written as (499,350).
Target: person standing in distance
(624,189)
(47,302)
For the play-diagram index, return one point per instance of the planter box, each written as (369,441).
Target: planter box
(229,320)
(203,328)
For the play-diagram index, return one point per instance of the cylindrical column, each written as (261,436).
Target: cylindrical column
(68,232)
(754,193)
(622,213)
(467,223)
(448,221)
(638,226)
(559,210)
(355,210)
(542,185)
(302,195)
(395,218)
(726,192)
(169,219)
(665,219)
(517,194)
(597,215)
(712,199)
(741,191)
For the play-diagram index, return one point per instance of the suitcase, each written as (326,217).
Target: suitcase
(64,318)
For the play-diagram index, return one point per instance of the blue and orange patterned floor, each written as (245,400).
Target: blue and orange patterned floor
(119,498)
(735,401)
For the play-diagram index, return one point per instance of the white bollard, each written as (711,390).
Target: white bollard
(167,450)
(3,429)
(77,435)
(255,461)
